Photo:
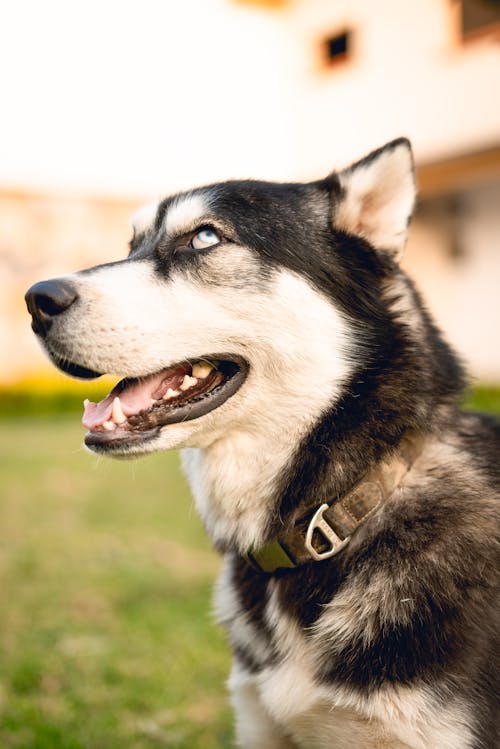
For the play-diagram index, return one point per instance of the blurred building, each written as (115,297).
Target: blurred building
(431,70)
(105,115)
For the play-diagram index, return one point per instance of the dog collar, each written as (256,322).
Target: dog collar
(329,529)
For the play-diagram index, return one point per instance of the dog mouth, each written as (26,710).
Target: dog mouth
(137,407)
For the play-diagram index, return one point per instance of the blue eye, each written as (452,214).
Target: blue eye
(204,238)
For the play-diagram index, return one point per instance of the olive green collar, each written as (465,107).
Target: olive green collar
(322,534)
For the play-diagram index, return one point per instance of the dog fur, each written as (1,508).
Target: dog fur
(390,644)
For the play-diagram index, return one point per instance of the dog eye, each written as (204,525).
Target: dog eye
(204,238)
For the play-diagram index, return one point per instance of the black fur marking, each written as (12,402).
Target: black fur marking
(252,594)
(373,156)
(447,601)
(400,387)
(405,381)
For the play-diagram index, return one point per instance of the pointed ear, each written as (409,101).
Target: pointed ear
(377,197)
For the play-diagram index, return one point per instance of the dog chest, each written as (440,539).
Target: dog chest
(276,676)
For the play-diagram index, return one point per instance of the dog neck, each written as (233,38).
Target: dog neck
(251,483)
(238,487)
(236,483)
(325,532)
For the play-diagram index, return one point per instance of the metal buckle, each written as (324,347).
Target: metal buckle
(318,523)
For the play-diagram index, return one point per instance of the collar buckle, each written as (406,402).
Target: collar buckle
(319,523)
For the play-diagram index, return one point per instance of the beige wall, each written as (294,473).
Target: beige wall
(463,291)
(181,94)
(409,74)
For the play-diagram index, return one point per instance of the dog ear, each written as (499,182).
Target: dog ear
(377,195)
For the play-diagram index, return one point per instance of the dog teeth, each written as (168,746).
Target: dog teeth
(201,370)
(171,394)
(109,426)
(117,413)
(188,382)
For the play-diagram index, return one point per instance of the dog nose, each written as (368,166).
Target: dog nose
(47,299)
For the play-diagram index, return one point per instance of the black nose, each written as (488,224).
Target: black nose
(46,300)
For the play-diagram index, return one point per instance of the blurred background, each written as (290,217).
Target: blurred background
(105,571)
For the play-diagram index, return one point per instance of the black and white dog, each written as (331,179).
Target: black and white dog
(268,330)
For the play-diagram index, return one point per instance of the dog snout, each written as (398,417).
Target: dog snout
(48,299)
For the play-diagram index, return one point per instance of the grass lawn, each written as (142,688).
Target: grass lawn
(106,637)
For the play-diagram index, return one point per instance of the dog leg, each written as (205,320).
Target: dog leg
(255,729)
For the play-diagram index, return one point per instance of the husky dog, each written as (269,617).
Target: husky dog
(268,330)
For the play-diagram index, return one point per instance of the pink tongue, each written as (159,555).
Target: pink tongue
(138,396)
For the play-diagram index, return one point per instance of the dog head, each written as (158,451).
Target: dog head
(241,305)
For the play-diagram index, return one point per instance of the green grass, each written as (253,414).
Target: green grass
(106,638)
(484,398)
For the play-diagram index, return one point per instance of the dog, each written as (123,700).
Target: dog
(268,330)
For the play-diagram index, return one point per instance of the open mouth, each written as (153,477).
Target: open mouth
(136,408)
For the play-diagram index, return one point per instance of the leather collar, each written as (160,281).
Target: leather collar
(328,529)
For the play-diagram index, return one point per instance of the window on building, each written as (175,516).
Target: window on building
(337,48)
(479,17)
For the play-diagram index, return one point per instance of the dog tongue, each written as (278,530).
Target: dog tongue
(135,395)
